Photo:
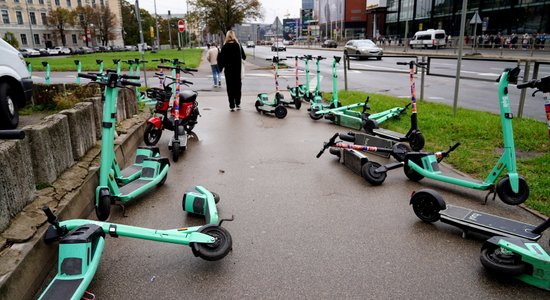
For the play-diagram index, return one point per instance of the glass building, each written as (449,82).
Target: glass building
(307,4)
(497,16)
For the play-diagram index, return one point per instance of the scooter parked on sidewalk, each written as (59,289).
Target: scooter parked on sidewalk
(414,137)
(299,91)
(512,189)
(317,104)
(511,251)
(81,244)
(153,171)
(543,86)
(276,106)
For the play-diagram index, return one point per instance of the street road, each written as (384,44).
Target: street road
(474,94)
(304,228)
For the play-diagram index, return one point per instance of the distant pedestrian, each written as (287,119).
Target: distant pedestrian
(229,61)
(212,58)
(542,39)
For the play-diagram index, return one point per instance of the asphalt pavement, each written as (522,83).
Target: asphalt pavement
(304,228)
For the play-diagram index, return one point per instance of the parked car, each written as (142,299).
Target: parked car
(62,50)
(278,46)
(130,48)
(28,52)
(43,51)
(363,49)
(250,44)
(76,50)
(329,44)
(86,50)
(15,85)
(53,51)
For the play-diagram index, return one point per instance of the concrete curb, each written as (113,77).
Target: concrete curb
(31,262)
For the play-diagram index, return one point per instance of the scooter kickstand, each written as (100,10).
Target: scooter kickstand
(228,220)
(88,296)
(123,210)
(491,191)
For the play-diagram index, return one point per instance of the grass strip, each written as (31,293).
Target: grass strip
(191,57)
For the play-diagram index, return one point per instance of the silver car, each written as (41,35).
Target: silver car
(363,49)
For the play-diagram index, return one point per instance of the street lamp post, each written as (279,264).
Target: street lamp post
(30,23)
(157,25)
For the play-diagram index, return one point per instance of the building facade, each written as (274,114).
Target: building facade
(340,19)
(26,19)
(497,16)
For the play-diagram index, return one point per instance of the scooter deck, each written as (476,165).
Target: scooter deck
(389,134)
(354,160)
(374,141)
(130,171)
(488,224)
(62,289)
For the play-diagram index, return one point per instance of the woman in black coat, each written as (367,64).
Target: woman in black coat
(229,61)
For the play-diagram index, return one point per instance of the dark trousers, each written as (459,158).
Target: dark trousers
(233,86)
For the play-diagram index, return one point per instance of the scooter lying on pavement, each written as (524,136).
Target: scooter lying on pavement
(81,243)
(512,249)
(352,156)
(512,189)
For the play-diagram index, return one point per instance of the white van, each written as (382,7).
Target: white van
(431,38)
(15,85)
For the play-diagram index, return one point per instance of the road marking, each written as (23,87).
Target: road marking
(404,96)
(436,98)
(488,74)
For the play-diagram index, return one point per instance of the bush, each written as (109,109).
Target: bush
(10,38)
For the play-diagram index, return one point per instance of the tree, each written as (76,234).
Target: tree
(222,15)
(85,16)
(59,19)
(130,25)
(9,37)
(106,22)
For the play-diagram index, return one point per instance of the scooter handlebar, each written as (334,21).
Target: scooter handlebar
(132,83)
(129,77)
(88,76)
(529,84)
(328,144)
(12,134)
(402,63)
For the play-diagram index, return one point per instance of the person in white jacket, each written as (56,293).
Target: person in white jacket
(212,57)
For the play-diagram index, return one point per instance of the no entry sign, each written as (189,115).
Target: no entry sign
(181,27)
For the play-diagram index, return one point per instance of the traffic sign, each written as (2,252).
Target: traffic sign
(181,26)
(475,19)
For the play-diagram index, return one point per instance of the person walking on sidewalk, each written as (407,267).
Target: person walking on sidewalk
(229,61)
(212,58)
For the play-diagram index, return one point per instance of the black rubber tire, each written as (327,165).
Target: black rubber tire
(379,58)
(417,141)
(501,263)
(103,208)
(505,193)
(369,174)
(348,137)
(151,135)
(280,112)
(216,197)
(298,103)
(313,115)
(257,105)
(410,173)
(404,147)
(175,151)
(335,151)
(163,180)
(9,116)
(425,207)
(218,249)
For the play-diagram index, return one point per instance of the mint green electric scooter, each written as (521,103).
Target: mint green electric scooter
(152,170)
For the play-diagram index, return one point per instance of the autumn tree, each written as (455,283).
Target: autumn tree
(222,15)
(85,17)
(105,22)
(59,19)
(130,25)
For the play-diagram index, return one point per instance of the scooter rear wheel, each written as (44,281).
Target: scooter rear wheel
(335,151)
(152,134)
(505,193)
(368,171)
(298,102)
(280,112)
(400,150)
(425,207)
(502,262)
(216,197)
(348,137)
(217,250)
(257,105)
(103,208)
(313,115)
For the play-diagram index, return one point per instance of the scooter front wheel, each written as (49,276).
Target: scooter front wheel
(426,207)
(335,151)
(368,171)
(348,137)
(400,150)
(103,208)
(215,251)
(505,193)
(175,151)
(417,141)
(257,105)
(298,102)
(502,262)
(152,134)
(409,172)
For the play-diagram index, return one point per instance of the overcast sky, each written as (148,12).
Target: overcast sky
(271,8)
